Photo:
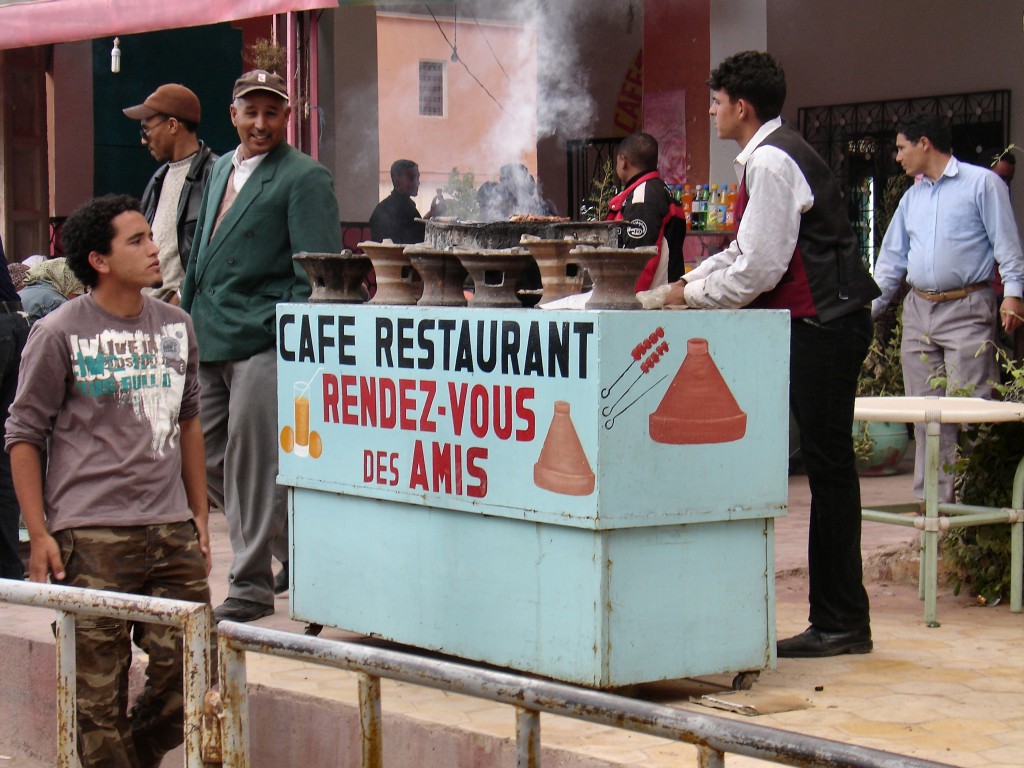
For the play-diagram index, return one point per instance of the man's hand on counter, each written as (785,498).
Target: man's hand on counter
(675,296)
(670,295)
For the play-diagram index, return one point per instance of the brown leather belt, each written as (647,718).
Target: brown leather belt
(956,293)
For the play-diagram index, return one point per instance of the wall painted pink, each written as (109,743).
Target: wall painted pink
(475,134)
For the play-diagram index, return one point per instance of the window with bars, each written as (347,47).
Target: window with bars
(858,141)
(432,88)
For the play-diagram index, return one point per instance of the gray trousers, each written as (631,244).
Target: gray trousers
(946,339)
(239,414)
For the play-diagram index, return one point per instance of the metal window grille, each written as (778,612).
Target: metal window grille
(585,161)
(858,141)
(432,88)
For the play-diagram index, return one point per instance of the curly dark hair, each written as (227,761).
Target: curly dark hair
(754,76)
(90,228)
(915,127)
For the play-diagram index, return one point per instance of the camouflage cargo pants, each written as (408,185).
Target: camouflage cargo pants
(154,560)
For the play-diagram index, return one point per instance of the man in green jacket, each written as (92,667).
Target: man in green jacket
(263,203)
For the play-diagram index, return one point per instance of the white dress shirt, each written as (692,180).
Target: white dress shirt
(755,262)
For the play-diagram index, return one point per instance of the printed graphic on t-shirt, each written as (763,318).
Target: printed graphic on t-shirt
(144,371)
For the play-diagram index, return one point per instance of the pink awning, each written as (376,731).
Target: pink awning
(38,22)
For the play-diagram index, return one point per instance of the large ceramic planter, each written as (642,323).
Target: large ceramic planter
(889,446)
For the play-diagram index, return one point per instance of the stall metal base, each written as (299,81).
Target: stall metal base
(603,608)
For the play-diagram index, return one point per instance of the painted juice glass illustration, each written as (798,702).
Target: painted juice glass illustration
(300,390)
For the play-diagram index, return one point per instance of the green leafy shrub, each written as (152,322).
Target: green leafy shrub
(603,188)
(460,196)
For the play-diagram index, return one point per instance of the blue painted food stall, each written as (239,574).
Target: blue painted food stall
(586,495)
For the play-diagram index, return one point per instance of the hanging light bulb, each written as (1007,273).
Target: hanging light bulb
(115,56)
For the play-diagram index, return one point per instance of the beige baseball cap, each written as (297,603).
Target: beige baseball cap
(260,80)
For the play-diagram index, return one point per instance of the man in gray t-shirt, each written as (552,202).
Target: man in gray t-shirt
(109,385)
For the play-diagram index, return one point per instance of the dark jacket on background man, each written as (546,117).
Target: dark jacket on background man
(826,278)
(395,219)
(189,204)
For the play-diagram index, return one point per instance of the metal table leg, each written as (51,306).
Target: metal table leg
(930,534)
(1017,539)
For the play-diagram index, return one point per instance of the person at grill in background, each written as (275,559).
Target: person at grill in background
(13,334)
(395,217)
(491,201)
(169,120)
(949,232)
(264,202)
(517,193)
(645,209)
(795,249)
(48,286)
(123,505)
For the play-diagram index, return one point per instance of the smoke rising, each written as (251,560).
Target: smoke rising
(548,55)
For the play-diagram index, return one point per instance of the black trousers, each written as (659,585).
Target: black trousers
(825,360)
(13,333)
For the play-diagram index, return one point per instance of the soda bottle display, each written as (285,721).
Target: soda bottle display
(703,199)
(730,206)
(687,203)
(712,215)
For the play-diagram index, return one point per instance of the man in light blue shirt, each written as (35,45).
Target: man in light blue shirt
(948,234)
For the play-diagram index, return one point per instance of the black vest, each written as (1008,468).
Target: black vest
(833,272)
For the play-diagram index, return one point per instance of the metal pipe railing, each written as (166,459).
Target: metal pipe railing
(712,735)
(194,620)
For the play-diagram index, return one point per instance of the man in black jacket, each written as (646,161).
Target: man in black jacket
(395,217)
(169,121)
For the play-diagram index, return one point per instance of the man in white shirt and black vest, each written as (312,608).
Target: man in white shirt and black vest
(795,249)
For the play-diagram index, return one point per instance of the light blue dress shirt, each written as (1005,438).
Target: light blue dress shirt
(950,233)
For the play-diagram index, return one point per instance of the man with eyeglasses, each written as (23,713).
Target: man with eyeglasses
(169,120)
(950,232)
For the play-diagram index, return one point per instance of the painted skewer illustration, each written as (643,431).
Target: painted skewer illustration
(637,353)
(645,367)
(611,422)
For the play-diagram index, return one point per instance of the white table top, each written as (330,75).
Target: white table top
(946,410)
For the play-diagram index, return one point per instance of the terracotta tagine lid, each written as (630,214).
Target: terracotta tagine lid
(698,406)
(563,466)
(443,276)
(614,272)
(397,281)
(335,278)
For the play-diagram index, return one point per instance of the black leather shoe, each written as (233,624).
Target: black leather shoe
(281,580)
(239,609)
(815,643)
